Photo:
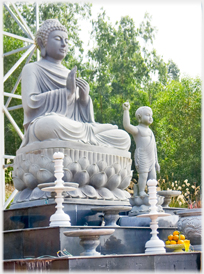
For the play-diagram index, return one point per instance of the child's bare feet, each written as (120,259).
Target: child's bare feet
(142,194)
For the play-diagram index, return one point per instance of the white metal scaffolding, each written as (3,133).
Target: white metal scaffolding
(5,109)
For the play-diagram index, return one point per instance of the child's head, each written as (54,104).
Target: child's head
(144,115)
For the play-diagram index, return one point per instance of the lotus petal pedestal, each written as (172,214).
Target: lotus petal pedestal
(89,239)
(111,213)
(103,173)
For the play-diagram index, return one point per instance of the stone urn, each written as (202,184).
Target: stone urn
(167,196)
(190,224)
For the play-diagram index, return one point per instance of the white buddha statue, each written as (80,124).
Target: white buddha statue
(56,104)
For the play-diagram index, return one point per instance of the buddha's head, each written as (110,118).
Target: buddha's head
(52,39)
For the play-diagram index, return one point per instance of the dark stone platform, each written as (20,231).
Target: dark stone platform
(39,216)
(80,214)
(30,244)
(166,221)
(35,242)
(132,262)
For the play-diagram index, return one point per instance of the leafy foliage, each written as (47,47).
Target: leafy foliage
(173,70)
(177,126)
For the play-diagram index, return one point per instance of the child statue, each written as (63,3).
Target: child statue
(146,161)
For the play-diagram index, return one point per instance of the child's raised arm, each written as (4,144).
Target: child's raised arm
(126,120)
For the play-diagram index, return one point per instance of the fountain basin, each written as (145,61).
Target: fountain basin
(89,239)
(167,196)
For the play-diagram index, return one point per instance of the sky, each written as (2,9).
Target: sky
(179,25)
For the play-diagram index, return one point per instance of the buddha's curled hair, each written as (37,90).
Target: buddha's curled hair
(45,29)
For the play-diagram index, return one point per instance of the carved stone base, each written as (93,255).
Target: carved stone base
(141,205)
(102,173)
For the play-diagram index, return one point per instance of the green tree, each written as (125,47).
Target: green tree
(177,126)
(124,66)
(173,70)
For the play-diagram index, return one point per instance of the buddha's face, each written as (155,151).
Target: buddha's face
(57,45)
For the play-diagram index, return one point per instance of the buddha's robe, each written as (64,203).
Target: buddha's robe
(50,114)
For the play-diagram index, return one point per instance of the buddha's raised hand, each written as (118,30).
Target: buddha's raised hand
(71,81)
(83,89)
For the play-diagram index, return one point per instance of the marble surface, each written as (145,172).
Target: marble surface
(115,209)
(88,232)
